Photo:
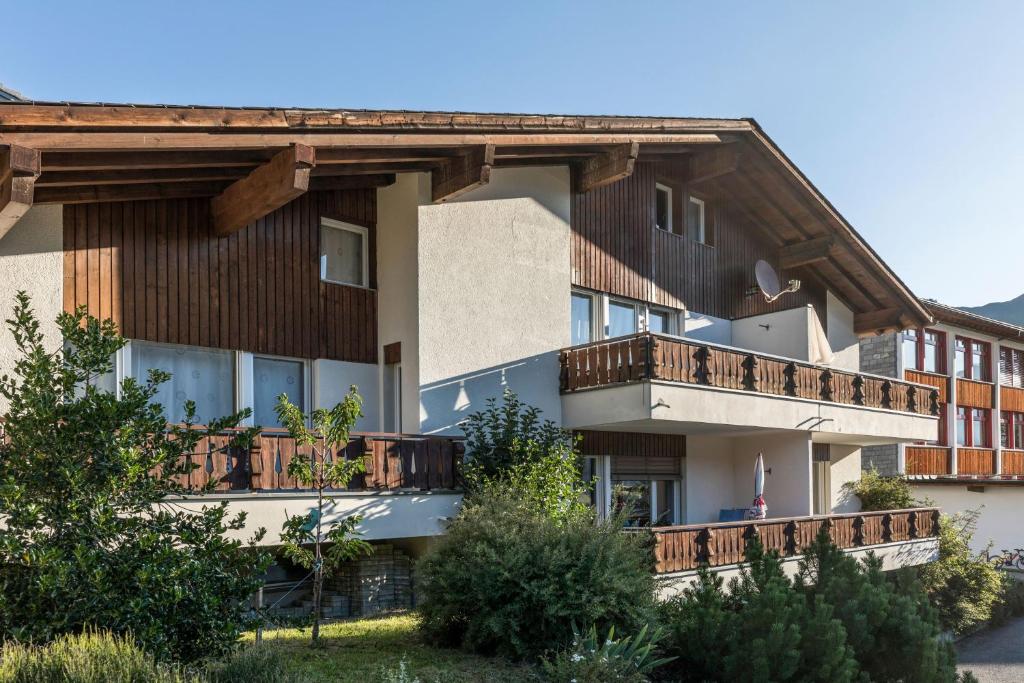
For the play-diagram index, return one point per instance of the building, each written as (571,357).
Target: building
(601,267)
(975,459)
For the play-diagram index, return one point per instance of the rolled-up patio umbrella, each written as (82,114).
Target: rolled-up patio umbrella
(759,510)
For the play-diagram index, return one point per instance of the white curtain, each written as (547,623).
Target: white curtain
(821,350)
(273,377)
(205,376)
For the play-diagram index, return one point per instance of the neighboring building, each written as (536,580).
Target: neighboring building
(8,95)
(600,267)
(975,459)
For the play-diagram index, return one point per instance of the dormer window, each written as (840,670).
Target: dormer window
(695,219)
(663,218)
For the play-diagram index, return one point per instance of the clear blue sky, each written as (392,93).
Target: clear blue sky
(905,114)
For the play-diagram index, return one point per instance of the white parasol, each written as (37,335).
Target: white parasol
(759,510)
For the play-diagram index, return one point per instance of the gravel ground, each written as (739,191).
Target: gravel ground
(995,655)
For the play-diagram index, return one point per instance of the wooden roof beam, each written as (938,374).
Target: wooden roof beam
(606,168)
(808,251)
(267,188)
(713,163)
(19,168)
(458,175)
(879,321)
(90,194)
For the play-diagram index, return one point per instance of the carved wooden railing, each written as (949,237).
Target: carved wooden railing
(649,356)
(684,548)
(392,462)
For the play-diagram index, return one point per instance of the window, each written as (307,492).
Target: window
(663,207)
(658,321)
(205,376)
(972,427)
(621,319)
(1011,367)
(972,359)
(582,318)
(910,346)
(271,378)
(924,350)
(695,215)
(343,253)
(1011,430)
(635,497)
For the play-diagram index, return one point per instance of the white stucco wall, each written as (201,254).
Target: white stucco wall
(31,259)
(706,328)
(398,280)
(709,478)
(331,382)
(385,515)
(841,336)
(493,277)
(786,334)
(1000,520)
(845,467)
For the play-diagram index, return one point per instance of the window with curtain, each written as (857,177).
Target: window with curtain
(582,318)
(203,375)
(621,319)
(271,378)
(657,321)
(343,253)
(972,359)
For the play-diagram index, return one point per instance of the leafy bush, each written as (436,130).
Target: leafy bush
(1012,602)
(252,664)
(510,580)
(88,536)
(511,451)
(92,657)
(881,493)
(593,660)
(965,587)
(840,620)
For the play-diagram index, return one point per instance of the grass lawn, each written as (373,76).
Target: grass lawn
(361,650)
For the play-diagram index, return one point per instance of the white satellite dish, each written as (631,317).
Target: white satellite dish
(768,281)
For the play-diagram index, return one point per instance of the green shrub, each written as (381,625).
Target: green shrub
(964,586)
(89,538)
(595,660)
(881,493)
(511,451)
(840,620)
(252,664)
(93,657)
(1011,603)
(510,580)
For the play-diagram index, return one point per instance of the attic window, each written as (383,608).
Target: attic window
(663,218)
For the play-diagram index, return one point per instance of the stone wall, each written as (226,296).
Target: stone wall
(885,459)
(878,355)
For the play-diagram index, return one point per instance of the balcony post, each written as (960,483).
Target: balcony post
(912,524)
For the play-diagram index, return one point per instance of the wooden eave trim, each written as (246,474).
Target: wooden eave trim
(846,232)
(19,168)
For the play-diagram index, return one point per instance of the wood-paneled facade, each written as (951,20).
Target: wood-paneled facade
(157,269)
(617,249)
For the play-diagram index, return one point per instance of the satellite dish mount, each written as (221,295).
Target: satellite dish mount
(768,282)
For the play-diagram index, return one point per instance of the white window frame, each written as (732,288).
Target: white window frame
(247,382)
(702,237)
(670,316)
(363,233)
(597,313)
(661,187)
(123,368)
(638,314)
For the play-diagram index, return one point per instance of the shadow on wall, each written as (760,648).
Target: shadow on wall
(446,403)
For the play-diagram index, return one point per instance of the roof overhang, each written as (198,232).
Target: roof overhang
(111,152)
(973,321)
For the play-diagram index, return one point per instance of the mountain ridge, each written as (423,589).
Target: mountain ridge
(1011,311)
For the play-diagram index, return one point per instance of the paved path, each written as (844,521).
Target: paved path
(995,655)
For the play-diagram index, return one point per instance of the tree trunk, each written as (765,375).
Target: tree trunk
(318,566)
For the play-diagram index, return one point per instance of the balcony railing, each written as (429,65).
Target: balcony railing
(393,462)
(684,548)
(649,356)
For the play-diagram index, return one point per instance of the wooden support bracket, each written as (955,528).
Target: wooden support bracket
(607,167)
(19,168)
(458,175)
(267,188)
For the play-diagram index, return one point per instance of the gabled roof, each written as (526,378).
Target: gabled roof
(973,321)
(8,95)
(119,152)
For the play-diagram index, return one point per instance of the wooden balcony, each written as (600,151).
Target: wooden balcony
(685,548)
(649,356)
(928,460)
(393,462)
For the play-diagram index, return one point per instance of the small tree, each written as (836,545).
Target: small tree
(91,533)
(881,493)
(326,467)
(511,451)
